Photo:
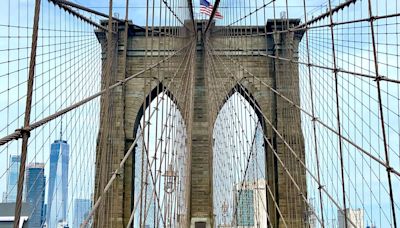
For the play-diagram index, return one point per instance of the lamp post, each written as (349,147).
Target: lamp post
(170,179)
(224,207)
(169,187)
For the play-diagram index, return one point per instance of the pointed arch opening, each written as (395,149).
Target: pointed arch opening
(160,169)
(239,170)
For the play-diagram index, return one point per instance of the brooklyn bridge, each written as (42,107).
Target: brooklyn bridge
(200,114)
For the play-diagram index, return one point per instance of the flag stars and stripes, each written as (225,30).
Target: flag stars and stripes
(207,8)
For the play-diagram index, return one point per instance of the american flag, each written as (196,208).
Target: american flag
(207,8)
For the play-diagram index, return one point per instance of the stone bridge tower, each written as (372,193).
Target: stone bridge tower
(254,53)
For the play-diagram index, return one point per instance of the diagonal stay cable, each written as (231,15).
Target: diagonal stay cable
(150,164)
(116,172)
(268,187)
(338,69)
(18,132)
(80,16)
(81,7)
(214,11)
(383,163)
(294,154)
(301,26)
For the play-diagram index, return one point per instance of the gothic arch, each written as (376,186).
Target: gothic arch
(158,89)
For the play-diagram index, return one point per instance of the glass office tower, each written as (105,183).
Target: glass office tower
(57,199)
(34,191)
(81,210)
(12,179)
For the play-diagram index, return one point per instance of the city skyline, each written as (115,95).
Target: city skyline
(37,186)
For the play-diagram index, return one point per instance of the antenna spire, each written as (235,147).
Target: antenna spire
(61,130)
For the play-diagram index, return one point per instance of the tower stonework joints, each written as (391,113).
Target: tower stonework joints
(247,53)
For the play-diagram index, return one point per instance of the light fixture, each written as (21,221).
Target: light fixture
(170,180)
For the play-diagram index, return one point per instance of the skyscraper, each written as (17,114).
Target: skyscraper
(245,208)
(12,179)
(250,198)
(355,218)
(81,210)
(34,192)
(57,199)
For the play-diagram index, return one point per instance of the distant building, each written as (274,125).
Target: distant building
(57,199)
(62,224)
(310,217)
(35,191)
(355,218)
(45,211)
(7,211)
(10,195)
(250,200)
(245,208)
(81,211)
